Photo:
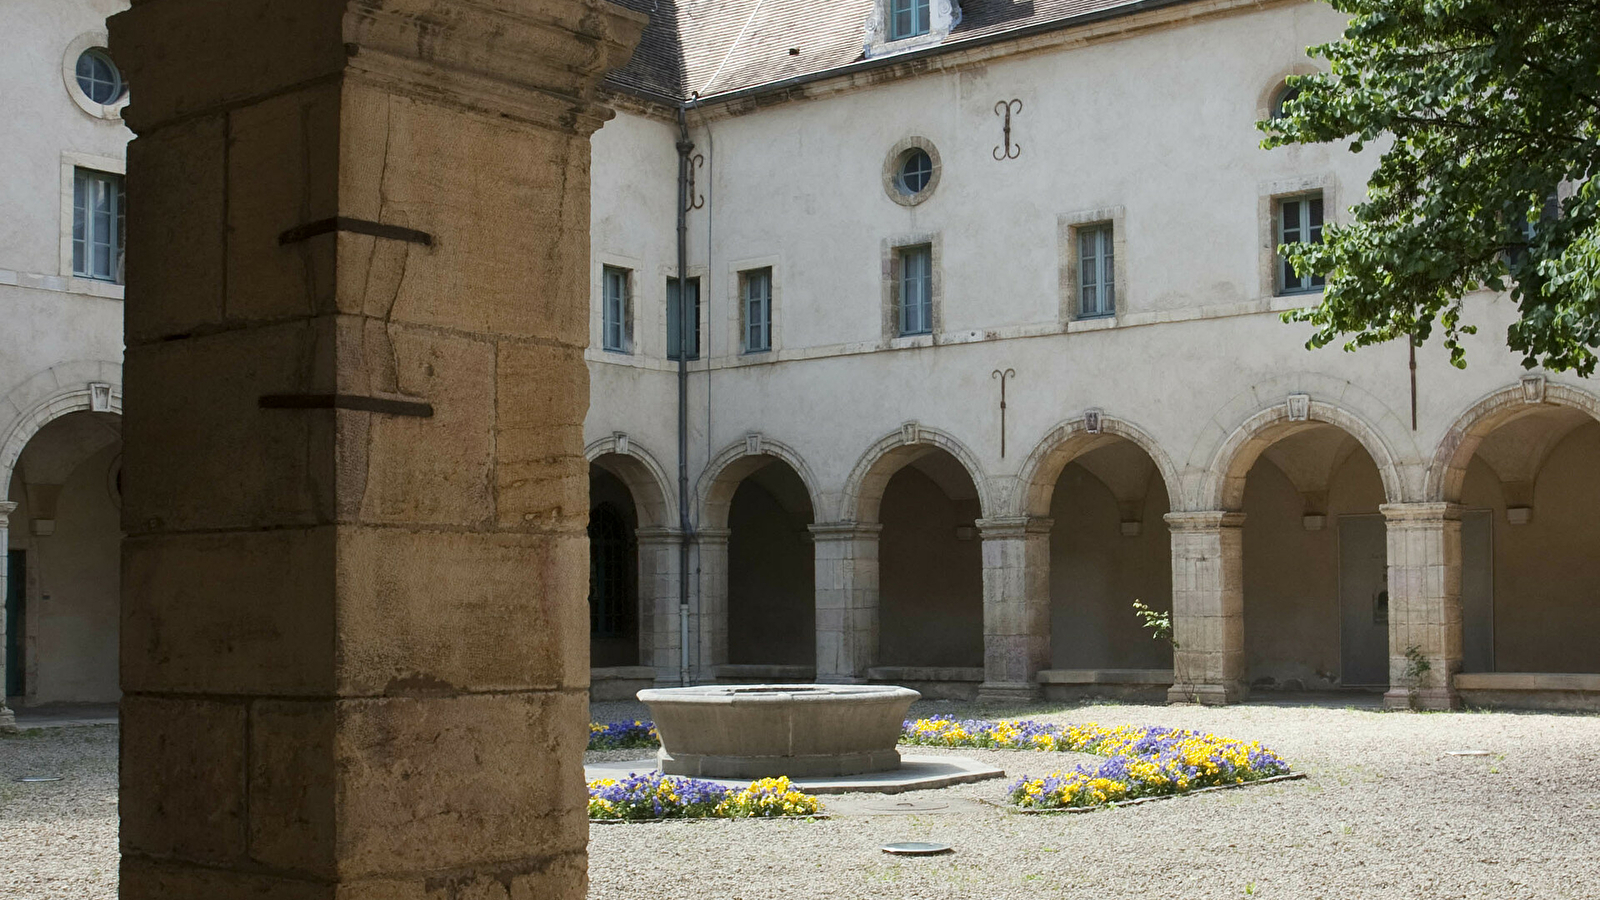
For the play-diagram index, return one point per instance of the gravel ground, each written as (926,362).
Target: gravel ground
(1385,813)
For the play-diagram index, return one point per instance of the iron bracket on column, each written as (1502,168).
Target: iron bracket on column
(355,226)
(355,402)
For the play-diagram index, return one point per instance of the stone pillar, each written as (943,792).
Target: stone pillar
(354,642)
(708,627)
(845,557)
(1016,606)
(1424,604)
(8,719)
(1207,606)
(658,602)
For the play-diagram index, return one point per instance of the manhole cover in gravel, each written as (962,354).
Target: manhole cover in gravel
(916,848)
(38,779)
(909,806)
(1467,752)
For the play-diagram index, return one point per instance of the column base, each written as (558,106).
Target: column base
(8,720)
(1430,699)
(1010,692)
(1207,694)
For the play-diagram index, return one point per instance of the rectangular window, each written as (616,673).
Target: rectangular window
(757,310)
(907,18)
(1097,283)
(1299,221)
(916,290)
(614,309)
(678,315)
(98,201)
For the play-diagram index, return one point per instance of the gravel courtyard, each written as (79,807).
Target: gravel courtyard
(1386,812)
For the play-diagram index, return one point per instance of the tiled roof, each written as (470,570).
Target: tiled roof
(719,46)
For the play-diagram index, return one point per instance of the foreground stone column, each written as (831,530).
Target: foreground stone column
(1425,645)
(1207,607)
(1016,606)
(354,642)
(708,626)
(845,561)
(8,719)
(658,602)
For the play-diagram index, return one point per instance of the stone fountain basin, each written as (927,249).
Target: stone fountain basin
(765,730)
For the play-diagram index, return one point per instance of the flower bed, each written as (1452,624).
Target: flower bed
(623,735)
(1144,762)
(656,796)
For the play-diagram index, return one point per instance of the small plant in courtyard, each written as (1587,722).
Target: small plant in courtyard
(1160,625)
(656,796)
(1416,674)
(635,735)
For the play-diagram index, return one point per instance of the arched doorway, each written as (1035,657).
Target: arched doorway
(771,578)
(63,556)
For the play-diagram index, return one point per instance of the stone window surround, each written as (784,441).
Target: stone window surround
(1268,193)
(1067,226)
(89,40)
(891,248)
(1276,86)
(736,310)
(70,163)
(891,170)
(656,345)
(597,321)
(943,17)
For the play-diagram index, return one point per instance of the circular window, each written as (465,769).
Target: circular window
(911,171)
(1284,96)
(98,77)
(916,170)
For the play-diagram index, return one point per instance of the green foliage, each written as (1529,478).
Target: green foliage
(1159,623)
(1487,113)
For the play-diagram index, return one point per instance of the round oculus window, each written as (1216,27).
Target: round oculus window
(99,77)
(915,171)
(1284,96)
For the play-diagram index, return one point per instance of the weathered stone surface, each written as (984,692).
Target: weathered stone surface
(183,795)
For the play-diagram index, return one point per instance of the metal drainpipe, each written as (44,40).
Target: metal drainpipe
(685,147)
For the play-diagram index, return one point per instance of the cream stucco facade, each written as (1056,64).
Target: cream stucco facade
(1187,450)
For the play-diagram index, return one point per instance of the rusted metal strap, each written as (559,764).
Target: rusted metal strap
(348,401)
(355,226)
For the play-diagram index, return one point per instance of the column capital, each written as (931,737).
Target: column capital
(712,535)
(657,534)
(7,507)
(844,531)
(1203,520)
(1402,513)
(1013,526)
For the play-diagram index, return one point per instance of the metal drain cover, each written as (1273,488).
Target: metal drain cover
(908,806)
(38,779)
(1466,753)
(916,848)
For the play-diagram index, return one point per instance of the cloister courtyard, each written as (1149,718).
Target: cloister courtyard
(1389,808)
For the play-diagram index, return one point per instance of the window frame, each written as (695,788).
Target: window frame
(748,323)
(924,282)
(1103,262)
(623,324)
(1303,284)
(919,14)
(1069,227)
(696,283)
(894,251)
(84,240)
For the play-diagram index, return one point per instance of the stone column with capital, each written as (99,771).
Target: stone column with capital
(8,719)
(845,557)
(1207,606)
(658,602)
(1016,606)
(1424,604)
(354,646)
(708,625)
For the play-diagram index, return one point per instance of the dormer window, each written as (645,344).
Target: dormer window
(908,19)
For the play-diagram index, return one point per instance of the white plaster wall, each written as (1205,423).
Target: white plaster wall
(1159,123)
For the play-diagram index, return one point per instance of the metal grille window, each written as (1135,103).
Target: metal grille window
(98,205)
(1097,287)
(1299,221)
(757,310)
(678,316)
(611,582)
(916,290)
(614,309)
(907,18)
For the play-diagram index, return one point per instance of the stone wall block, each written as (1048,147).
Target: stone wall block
(168,881)
(293,785)
(540,479)
(425,612)
(264,596)
(183,780)
(180,186)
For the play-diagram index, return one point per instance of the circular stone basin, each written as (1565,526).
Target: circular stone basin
(766,730)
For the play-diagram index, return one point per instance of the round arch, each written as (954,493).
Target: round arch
(645,478)
(92,396)
(727,469)
(1448,468)
(1223,487)
(863,492)
(1036,481)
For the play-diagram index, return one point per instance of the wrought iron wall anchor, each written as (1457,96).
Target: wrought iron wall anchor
(1007,150)
(1003,376)
(696,201)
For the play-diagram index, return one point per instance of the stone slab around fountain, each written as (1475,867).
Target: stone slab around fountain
(916,773)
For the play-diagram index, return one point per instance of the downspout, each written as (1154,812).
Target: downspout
(685,147)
